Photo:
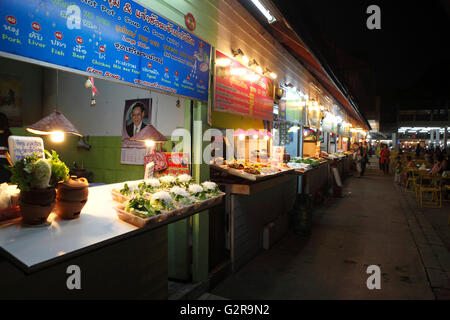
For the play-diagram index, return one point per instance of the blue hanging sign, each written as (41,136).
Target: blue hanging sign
(114,39)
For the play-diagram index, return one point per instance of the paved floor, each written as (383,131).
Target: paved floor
(371,225)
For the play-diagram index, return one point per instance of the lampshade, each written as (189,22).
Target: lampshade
(149,132)
(55,121)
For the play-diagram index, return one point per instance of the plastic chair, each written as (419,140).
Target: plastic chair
(430,184)
(413,175)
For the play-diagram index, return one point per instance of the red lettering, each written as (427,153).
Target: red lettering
(127,8)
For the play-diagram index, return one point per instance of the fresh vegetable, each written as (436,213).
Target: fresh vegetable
(41,172)
(22,173)
(211,188)
(141,207)
(198,192)
(162,201)
(60,172)
(35,172)
(181,196)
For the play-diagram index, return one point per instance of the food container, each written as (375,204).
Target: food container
(36,205)
(35,213)
(118,197)
(138,221)
(72,196)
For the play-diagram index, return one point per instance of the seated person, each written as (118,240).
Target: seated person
(438,166)
(410,163)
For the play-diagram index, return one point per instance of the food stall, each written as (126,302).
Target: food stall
(37,259)
(100,81)
(246,163)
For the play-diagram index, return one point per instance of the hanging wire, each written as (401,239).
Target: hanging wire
(57,89)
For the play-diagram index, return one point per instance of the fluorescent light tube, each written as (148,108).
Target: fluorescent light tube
(264,11)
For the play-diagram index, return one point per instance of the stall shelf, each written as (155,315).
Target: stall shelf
(116,259)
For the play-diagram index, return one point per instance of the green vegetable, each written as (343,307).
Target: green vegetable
(141,207)
(35,172)
(185,201)
(202,195)
(60,172)
(125,190)
(162,205)
(41,172)
(22,172)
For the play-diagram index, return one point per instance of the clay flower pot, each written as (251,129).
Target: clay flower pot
(71,197)
(36,205)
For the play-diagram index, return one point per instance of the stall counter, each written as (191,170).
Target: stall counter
(116,259)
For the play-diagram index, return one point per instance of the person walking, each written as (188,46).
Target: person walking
(384,159)
(378,155)
(364,157)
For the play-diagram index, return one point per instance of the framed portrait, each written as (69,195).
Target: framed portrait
(136,115)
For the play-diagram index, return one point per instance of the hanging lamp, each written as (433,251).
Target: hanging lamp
(55,124)
(150,135)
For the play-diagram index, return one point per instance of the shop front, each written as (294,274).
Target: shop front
(195,152)
(120,98)
(246,162)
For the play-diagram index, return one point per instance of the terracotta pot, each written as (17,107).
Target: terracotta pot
(71,197)
(73,190)
(69,209)
(35,214)
(38,196)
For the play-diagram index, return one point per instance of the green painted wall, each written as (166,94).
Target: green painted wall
(103,159)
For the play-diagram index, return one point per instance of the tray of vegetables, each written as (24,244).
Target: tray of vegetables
(156,200)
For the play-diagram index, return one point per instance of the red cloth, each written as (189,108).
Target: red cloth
(385,154)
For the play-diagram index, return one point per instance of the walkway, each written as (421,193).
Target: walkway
(373,224)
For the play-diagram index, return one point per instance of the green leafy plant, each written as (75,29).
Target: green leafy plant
(60,172)
(22,172)
(34,172)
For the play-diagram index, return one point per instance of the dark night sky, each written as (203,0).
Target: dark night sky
(412,39)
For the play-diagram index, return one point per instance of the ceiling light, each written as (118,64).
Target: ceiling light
(273,75)
(270,18)
(55,124)
(237,52)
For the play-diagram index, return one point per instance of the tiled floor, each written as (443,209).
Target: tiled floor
(370,225)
